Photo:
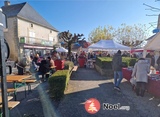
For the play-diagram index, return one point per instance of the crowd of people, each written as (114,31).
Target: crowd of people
(140,71)
(41,66)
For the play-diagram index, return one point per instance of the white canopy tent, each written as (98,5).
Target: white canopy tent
(61,49)
(152,44)
(108,45)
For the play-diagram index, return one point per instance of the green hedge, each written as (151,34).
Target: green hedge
(58,82)
(129,61)
(106,62)
(68,65)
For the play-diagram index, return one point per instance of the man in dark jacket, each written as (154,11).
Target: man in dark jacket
(43,69)
(117,68)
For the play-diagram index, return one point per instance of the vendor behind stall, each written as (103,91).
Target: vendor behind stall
(152,57)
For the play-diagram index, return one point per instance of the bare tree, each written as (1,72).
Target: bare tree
(131,36)
(69,39)
(155,12)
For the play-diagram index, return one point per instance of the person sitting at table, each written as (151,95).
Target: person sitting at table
(51,65)
(43,69)
(140,71)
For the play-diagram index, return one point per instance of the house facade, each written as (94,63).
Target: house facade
(28,32)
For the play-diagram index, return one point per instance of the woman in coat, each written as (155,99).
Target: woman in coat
(140,71)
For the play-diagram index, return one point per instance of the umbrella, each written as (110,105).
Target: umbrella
(61,49)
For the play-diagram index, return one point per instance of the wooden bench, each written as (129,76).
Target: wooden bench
(10,90)
(75,68)
(28,82)
(11,104)
(8,98)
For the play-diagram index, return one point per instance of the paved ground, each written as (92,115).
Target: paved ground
(85,84)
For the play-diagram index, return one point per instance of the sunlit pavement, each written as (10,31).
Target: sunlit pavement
(86,84)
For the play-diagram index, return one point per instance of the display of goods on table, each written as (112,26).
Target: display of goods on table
(153,84)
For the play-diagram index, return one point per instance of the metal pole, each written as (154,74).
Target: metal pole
(3,71)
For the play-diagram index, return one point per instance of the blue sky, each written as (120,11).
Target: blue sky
(82,16)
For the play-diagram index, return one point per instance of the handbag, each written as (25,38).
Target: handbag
(133,81)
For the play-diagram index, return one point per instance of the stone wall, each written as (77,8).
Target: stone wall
(18,28)
(11,37)
(24,27)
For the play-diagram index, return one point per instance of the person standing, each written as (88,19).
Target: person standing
(33,67)
(140,71)
(158,63)
(76,57)
(117,68)
(151,56)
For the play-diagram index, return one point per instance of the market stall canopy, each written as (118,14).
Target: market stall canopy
(61,49)
(109,45)
(153,43)
(138,50)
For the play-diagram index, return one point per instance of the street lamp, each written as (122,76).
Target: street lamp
(4,50)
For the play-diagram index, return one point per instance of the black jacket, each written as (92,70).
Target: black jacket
(117,62)
(44,66)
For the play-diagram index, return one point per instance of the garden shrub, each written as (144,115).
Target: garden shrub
(58,82)
(106,62)
(68,65)
(129,61)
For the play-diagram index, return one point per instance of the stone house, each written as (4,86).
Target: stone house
(28,32)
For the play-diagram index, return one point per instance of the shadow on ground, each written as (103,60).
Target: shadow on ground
(87,74)
(73,104)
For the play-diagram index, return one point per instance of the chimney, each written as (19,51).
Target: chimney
(6,3)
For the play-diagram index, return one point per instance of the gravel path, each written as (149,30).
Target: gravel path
(85,84)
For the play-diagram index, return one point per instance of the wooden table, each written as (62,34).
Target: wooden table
(11,104)
(153,87)
(15,79)
(127,73)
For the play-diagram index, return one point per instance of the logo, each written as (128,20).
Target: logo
(107,106)
(92,105)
